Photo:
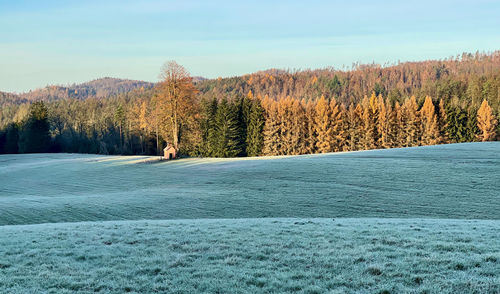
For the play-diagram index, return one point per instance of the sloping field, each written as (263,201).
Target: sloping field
(415,220)
(252,256)
(447,181)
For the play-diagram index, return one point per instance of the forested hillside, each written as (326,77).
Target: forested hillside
(267,113)
(99,88)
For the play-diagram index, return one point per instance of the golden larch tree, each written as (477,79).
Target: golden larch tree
(337,126)
(443,122)
(310,135)
(486,122)
(370,136)
(323,126)
(430,127)
(271,128)
(411,122)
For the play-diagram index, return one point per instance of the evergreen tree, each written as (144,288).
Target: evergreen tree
(471,127)
(35,137)
(255,136)
(244,106)
(11,139)
(227,131)
(457,124)
(208,127)
(486,122)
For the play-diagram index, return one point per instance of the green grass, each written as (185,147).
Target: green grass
(415,220)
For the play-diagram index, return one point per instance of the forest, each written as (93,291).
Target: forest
(273,112)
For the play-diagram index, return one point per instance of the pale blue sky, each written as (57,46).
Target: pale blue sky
(64,42)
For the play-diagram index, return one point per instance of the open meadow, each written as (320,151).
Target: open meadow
(413,220)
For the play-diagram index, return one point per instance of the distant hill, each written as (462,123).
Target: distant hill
(8,98)
(99,88)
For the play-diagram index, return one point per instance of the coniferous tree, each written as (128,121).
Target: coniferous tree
(430,127)
(471,126)
(323,126)
(411,122)
(255,136)
(227,131)
(271,130)
(243,108)
(208,127)
(399,124)
(35,137)
(443,122)
(285,126)
(11,139)
(456,124)
(385,123)
(355,127)
(370,136)
(120,122)
(486,122)
(310,135)
(337,114)
(298,128)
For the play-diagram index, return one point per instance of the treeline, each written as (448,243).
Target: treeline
(253,126)
(248,126)
(471,78)
(216,118)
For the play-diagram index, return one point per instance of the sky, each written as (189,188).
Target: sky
(64,42)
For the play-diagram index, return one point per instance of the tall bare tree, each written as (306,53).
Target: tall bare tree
(177,93)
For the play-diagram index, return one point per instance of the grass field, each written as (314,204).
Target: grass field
(415,220)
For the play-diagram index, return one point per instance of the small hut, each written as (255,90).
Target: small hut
(169,152)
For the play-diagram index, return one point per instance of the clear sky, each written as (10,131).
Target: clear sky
(64,42)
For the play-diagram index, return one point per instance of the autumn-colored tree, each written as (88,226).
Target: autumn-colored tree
(486,122)
(411,122)
(156,119)
(399,125)
(386,124)
(337,116)
(443,122)
(271,129)
(430,127)
(310,128)
(355,127)
(177,92)
(298,128)
(323,126)
(370,135)
(285,126)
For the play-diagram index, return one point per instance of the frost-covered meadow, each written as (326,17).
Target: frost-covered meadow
(415,220)
(253,256)
(447,181)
